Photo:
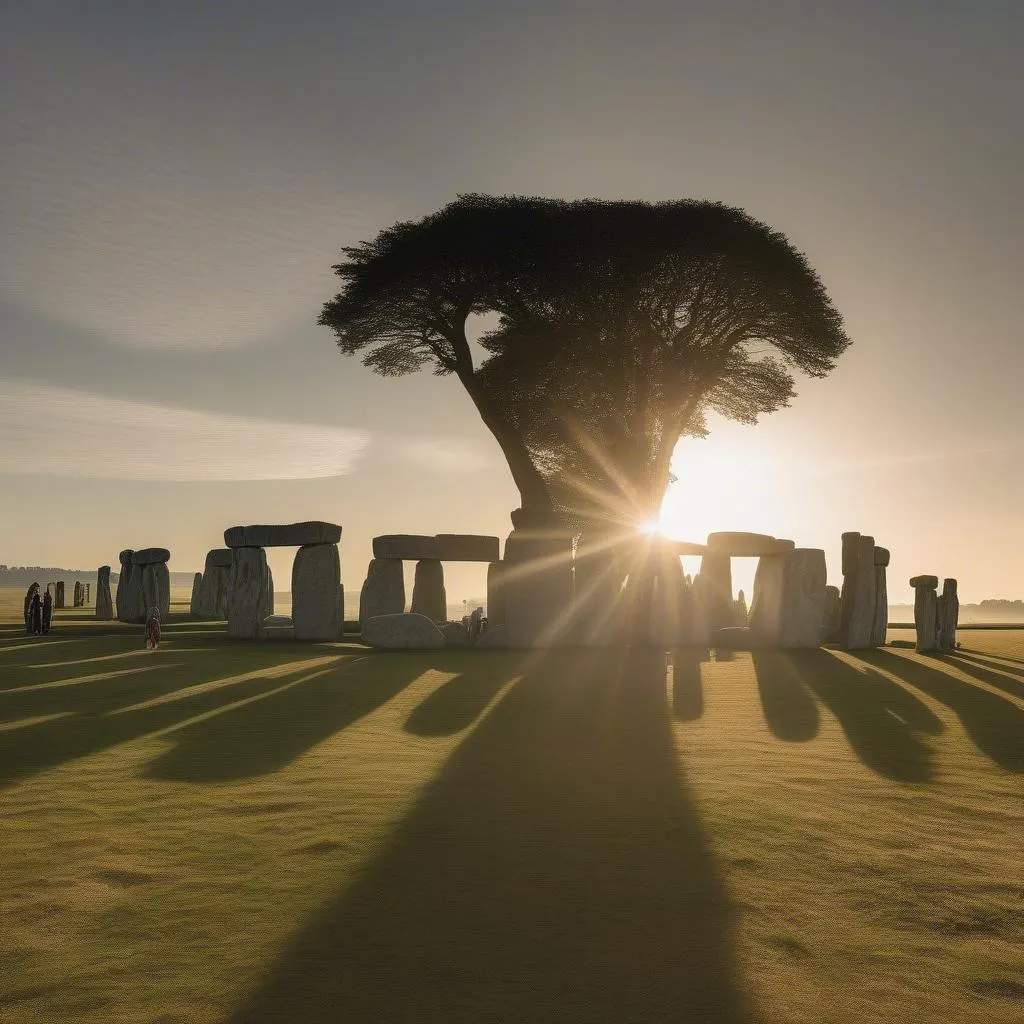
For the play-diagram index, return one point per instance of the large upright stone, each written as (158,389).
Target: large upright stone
(670,602)
(803,603)
(858,596)
(428,594)
(407,547)
(832,622)
(383,592)
(316,593)
(538,588)
(131,601)
(195,604)
(495,594)
(125,571)
(156,587)
(58,595)
(77,596)
(716,587)
(925,612)
(213,602)
(245,592)
(268,596)
(290,535)
(947,616)
(880,623)
(767,604)
(599,571)
(104,603)
(466,547)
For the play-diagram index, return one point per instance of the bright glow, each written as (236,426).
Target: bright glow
(651,527)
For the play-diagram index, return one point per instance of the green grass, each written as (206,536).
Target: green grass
(222,831)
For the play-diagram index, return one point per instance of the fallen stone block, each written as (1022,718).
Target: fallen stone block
(405,631)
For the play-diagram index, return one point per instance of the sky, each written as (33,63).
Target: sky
(176,180)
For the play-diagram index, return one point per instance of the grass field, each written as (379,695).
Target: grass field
(289,832)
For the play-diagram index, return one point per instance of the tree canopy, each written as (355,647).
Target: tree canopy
(619,325)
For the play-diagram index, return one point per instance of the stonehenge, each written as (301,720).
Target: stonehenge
(935,615)
(104,603)
(213,590)
(317,595)
(143,582)
(864,602)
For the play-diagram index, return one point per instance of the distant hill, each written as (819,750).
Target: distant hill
(26,575)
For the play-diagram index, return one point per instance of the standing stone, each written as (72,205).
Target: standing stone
(670,604)
(58,595)
(195,605)
(880,624)
(803,602)
(125,558)
(858,596)
(495,594)
(131,603)
(428,594)
(741,614)
(316,593)
(383,591)
(947,616)
(213,598)
(245,592)
(925,612)
(599,572)
(716,574)
(104,604)
(832,621)
(78,594)
(538,587)
(267,607)
(767,604)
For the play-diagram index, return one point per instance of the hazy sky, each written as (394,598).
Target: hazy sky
(176,180)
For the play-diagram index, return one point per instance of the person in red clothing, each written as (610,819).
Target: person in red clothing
(153,628)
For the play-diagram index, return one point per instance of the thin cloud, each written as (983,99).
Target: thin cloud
(446,454)
(54,431)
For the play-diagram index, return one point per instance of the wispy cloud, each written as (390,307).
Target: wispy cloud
(54,431)
(445,454)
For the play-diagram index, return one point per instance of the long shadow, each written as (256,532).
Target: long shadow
(988,654)
(458,703)
(265,735)
(882,721)
(790,709)
(554,871)
(995,724)
(1002,677)
(687,684)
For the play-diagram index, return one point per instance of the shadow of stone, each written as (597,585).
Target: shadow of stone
(554,871)
(882,721)
(790,709)
(265,735)
(458,703)
(687,685)
(995,724)
(1002,677)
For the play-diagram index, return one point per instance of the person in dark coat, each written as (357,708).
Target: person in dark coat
(36,613)
(47,610)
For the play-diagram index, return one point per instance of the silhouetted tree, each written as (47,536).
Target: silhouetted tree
(620,324)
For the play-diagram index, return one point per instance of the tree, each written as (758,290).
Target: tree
(620,324)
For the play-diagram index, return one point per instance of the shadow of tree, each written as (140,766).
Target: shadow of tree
(459,702)
(265,735)
(1002,677)
(790,709)
(881,720)
(554,871)
(995,724)
(687,685)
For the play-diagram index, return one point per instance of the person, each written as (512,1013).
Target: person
(47,610)
(36,613)
(153,628)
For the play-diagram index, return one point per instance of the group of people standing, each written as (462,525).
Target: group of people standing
(38,611)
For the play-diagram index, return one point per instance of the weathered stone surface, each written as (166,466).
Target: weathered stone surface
(104,603)
(466,547)
(716,576)
(267,607)
(928,582)
(767,604)
(851,553)
(428,594)
(745,545)
(494,636)
(278,620)
(456,634)
(58,595)
(947,616)
(803,602)
(926,618)
(832,620)
(881,556)
(407,630)
(288,535)
(196,603)
(218,558)
(156,587)
(245,592)
(79,594)
(150,556)
(120,603)
(410,547)
(880,624)
(131,606)
(316,593)
(858,598)
(538,588)
(495,594)
(277,627)
(383,592)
